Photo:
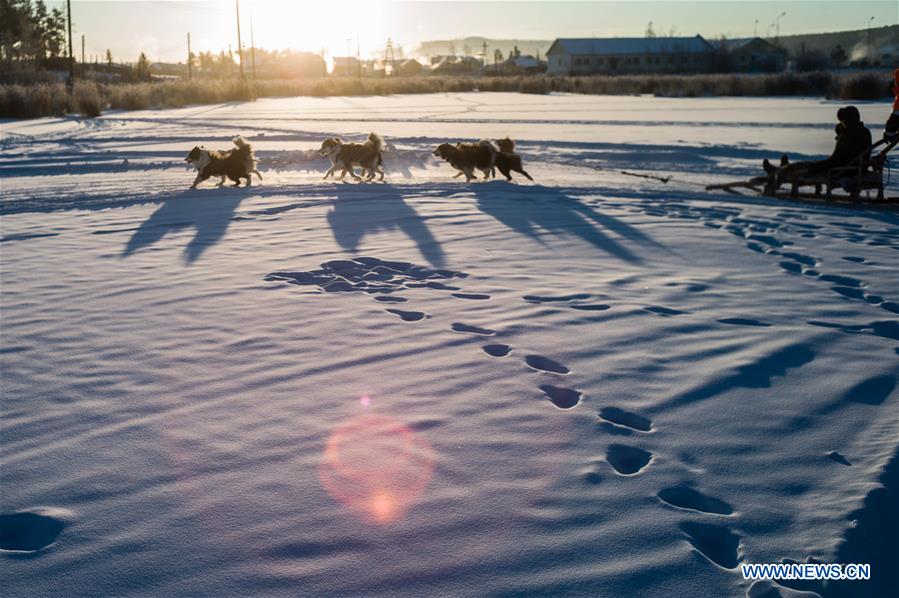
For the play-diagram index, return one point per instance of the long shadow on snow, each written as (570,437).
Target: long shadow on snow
(758,373)
(870,538)
(530,209)
(650,197)
(209,216)
(358,210)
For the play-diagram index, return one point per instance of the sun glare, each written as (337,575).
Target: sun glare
(377,467)
(333,27)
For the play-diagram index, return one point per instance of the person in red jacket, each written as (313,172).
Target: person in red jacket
(891,129)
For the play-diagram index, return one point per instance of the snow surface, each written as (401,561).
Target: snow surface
(593,384)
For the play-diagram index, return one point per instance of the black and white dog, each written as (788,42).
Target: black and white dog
(368,155)
(235,164)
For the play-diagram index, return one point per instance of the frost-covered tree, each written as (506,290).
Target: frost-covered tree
(142,70)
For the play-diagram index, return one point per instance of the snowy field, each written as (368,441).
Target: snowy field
(594,384)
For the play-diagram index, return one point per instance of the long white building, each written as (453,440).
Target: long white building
(586,56)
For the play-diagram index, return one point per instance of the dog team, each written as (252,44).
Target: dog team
(240,162)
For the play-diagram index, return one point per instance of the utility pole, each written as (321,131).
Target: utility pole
(189,59)
(484,48)
(83,65)
(358,58)
(71,80)
(252,47)
(869,41)
(755,32)
(347,62)
(239,46)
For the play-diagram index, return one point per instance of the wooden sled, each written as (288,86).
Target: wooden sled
(864,173)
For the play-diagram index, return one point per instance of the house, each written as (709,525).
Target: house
(522,65)
(588,56)
(753,54)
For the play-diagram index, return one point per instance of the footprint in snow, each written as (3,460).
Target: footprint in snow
(791,266)
(685,497)
(497,350)
(837,457)
(409,316)
(715,542)
(545,364)
(627,460)
(467,328)
(744,322)
(30,531)
(626,419)
(806,260)
(563,398)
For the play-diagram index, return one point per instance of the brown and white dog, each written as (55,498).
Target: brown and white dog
(235,164)
(347,155)
(507,160)
(466,157)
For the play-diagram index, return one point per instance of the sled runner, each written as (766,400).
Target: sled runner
(861,174)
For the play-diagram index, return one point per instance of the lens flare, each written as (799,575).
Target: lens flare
(377,467)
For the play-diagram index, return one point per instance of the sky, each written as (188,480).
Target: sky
(159,28)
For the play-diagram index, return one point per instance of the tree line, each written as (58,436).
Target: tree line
(30,33)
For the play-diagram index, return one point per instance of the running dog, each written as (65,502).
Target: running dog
(507,160)
(235,164)
(466,157)
(368,155)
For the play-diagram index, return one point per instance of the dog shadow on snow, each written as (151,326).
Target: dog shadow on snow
(536,210)
(209,217)
(357,211)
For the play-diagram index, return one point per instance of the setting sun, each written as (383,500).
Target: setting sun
(337,28)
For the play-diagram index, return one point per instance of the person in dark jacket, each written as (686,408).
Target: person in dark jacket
(891,129)
(853,138)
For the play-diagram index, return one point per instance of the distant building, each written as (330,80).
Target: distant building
(455,65)
(587,56)
(522,65)
(409,68)
(753,54)
(887,55)
(346,66)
